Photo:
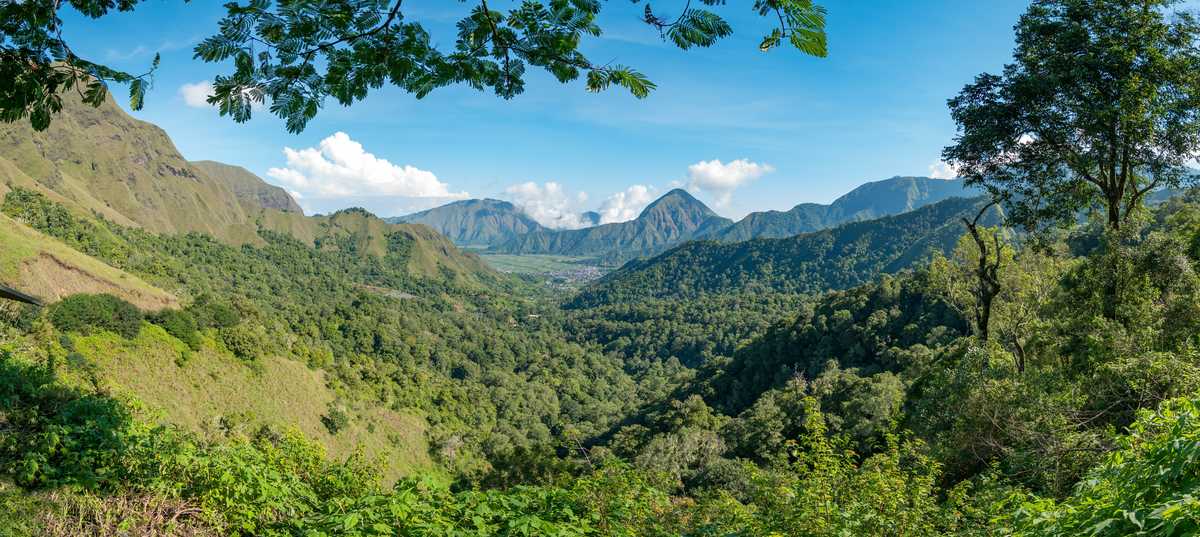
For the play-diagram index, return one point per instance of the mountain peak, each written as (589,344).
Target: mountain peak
(675,217)
(676,200)
(475,222)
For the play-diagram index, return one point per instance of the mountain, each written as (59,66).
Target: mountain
(669,220)
(837,258)
(871,200)
(100,161)
(424,252)
(475,222)
(248,187)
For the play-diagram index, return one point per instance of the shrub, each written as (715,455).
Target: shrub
(87,313)
(180,324)
(210,314)
(1146,487)
(335,420)
(243,341)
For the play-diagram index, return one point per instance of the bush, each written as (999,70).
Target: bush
(210,314)
(1146,487)
(181,325)
(87,313)
(243,341)
(335,420)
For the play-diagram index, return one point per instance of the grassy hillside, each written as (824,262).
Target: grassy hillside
(480,365)
(213,393)
(48,269)
(249,188)
(102,160)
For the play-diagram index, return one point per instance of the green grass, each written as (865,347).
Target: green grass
(213,391)
(49,269)
(535,264)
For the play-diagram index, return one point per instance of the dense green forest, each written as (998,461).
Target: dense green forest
(1025,362)
(873,410)
(836,258)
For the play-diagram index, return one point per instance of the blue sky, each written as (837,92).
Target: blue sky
(808,129)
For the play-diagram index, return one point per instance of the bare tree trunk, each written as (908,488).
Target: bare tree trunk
(987,284)
(1019,353)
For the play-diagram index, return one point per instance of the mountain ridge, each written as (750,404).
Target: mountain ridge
(834,258)
(474,222)
(874,199)
(100,161)
(675,217)
(248,187)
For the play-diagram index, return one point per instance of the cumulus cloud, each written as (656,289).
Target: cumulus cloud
(339,167)
(549,204)
(196,94)
(553,206)
(721,179)
(626,205)
(942,170)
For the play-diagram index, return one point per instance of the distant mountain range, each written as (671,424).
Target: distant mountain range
(835,258)
(676,217)
(869,201)
(100,161)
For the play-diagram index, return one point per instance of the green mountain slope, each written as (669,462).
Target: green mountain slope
(669,220)
(475,222)
(100,161)
(456,370)
(871,200)
(425,252)
(248,187)
(837,258)
(46,268)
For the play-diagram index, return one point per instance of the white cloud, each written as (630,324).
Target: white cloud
(549,204)
(942,170)
(720,180)
(340,168)
(196,94)
(626,205)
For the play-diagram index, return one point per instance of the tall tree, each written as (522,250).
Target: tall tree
(294,54)
(1100,106)
(987,273)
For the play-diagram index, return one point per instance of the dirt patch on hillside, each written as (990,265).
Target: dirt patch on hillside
(51,279)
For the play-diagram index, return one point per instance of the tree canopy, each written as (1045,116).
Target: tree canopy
(294,54)
(1101,105)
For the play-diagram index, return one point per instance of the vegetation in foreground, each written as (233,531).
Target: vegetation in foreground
(1034,385)
(874,410)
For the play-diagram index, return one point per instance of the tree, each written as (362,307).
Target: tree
(37,64)
(987,283)
(296,53)
(1100,106)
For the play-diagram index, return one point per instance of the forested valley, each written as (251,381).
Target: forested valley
(874,409)
(184,352)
